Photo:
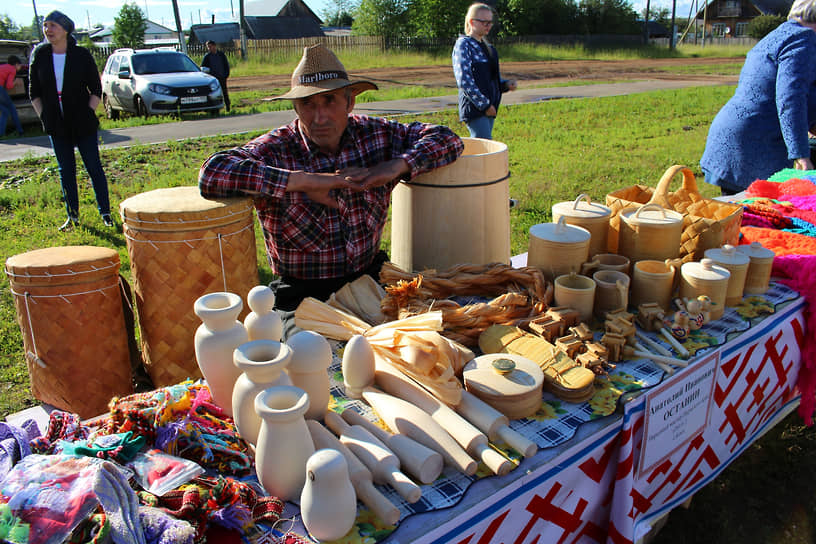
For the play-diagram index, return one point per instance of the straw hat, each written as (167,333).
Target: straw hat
(319,71)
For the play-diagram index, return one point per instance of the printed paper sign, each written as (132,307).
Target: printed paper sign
(677,411)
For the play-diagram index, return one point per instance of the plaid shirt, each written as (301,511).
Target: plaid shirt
(306,240)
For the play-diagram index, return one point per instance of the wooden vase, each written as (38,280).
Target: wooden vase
(262,363)
(215,339)
(284,443)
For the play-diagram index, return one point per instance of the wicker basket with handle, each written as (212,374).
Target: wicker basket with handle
(707,223)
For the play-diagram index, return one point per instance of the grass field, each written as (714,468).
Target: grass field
(558,149)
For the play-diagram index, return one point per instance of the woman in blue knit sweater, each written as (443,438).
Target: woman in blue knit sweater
(764,127)
(476,67)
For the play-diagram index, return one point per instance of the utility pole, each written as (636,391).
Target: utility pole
(242,26)
(646,24)
(37,20)
(672,43)
(180,30)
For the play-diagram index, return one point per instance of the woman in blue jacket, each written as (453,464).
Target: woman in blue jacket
(764,127)
(476,67)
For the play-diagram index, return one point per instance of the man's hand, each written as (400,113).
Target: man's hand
(490,112)
(375,176)
(317,186)
(803,164)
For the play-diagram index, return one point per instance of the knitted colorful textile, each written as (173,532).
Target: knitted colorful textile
(780,190)
(14,443)
(61,426)
(796,262)
(161,528)
(120,447)
(12,528)
(183,420)
(221,500)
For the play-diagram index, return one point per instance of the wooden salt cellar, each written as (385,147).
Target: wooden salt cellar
(511,384)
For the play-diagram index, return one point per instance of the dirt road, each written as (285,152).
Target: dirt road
(528,74)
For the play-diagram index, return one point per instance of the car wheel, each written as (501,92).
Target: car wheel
(110,113)
(141,108)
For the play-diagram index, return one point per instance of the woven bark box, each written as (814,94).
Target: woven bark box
(182,246)
(69,308)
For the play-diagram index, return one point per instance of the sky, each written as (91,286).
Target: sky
(90,12)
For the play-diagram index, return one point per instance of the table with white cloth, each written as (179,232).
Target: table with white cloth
(592,480)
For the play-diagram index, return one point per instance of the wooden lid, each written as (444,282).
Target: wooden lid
(560,232)
(756,252)
(62,265)
(503,376)
(653,215)
(706,271)
(181,209)
(583,209)
(727,256)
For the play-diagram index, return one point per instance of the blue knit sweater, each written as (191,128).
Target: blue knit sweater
(477,77)
(764,126)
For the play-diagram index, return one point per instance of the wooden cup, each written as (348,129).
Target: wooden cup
(652,281)
(606,261)
(577,292)
(611,292)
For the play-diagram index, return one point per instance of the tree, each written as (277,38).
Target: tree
(340,13)
(386,18)
(608,17)
(759,27)
(530,17)
(9,30)
(438,18)
(129,27)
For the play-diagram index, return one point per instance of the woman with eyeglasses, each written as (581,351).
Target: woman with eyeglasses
(476,67)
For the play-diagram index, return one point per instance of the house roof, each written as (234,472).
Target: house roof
(285,8)
(152,28)
(281,28)
(218,32)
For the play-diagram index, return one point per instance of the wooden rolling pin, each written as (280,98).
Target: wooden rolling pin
(361,477)
(403,417)
(494,424)
(392,381)
(383,464)
(419,461)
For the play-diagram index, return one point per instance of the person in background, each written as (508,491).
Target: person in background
(322,184)
(476,67)
(763,128)
(65,90)
(219,67)
(8,73)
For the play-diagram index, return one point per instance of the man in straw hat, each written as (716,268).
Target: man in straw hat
(322,184)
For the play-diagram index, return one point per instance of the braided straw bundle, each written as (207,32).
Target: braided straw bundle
(522,295)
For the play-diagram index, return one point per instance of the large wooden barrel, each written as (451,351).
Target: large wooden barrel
(182,246)
(69,308)
(456,214)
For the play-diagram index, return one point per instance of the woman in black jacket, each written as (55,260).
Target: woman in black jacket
(65,90)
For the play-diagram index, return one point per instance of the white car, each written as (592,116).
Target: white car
(157,81)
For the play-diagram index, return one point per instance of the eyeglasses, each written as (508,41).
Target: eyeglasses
(487,22)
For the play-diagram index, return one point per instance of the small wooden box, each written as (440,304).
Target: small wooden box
(19,88)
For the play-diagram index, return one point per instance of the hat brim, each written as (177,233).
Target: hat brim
(302,91)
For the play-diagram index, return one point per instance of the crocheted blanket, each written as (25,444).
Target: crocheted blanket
(780,215)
